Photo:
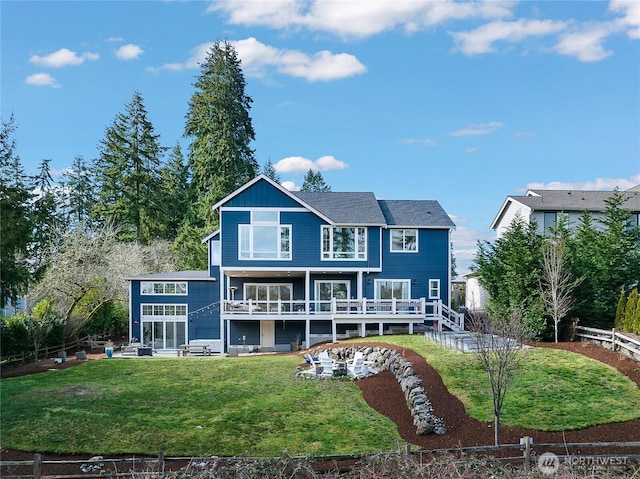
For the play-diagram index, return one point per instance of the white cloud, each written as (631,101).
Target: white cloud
(631,19)
(257,58)
(422,141)
(299,164)
(63,57)
(481,39)
(291,186)
(478,129)
(465,243)
(129,52)
(586,45)
(471,149)
(599,184)
(357,19)
(42,79)
(115,39)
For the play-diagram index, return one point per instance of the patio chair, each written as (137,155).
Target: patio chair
(327,366)
(357,367)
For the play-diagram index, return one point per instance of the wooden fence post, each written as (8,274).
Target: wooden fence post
(613,339)
(161,462)
(37,465)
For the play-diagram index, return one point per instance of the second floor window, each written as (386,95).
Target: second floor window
(348,242)
(403,241)
(265,237)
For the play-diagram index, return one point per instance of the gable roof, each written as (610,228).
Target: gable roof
(357,208)
(415,213)
(569,200)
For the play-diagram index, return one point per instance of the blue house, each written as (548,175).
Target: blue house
(294,267)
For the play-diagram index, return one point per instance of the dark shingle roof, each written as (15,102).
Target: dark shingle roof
(344,208)
(415,213)
(365,209)
(576,200)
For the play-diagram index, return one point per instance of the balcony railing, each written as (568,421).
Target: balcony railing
(330,307)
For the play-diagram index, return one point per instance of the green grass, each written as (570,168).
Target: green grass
(256,407)
(553,390)
(244,407)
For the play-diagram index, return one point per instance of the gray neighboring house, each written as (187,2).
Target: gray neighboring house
(545,206)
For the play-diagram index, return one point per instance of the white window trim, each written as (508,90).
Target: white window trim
(164,317)
(276,224)
(382,280)
(437,281)
(403,250)
(153,283)
(357,255)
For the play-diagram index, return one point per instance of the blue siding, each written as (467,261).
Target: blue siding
(430,262)
(262,194)
(306,243)
(202,302)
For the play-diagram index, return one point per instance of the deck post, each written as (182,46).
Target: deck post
(334,332)
(381,329)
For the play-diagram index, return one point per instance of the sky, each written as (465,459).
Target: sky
(460,102)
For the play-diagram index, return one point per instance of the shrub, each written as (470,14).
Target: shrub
(622,301)
(630,310)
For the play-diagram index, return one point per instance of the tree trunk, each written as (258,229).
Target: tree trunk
(496,426)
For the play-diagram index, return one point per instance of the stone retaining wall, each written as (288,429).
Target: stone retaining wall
(385,359)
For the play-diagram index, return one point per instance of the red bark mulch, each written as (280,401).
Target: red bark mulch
(383,393)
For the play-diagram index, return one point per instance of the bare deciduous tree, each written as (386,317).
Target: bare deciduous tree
(88,269)
(557,282)
(500,350)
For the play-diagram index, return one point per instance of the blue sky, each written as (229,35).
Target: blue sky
(461,102)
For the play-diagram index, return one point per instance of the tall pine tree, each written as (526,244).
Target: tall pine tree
(175,187)
(220,157)
(313,181)
(45,217)
(78,188)
(15,219)
(128,180)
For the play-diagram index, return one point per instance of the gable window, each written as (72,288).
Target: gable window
(393,289)
(264,237)
(163,288)
(434,289)
(346,242)
(404,241)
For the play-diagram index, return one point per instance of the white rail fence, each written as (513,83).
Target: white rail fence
(611,339)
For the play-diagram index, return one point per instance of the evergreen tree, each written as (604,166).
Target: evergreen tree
(128,177)
(313,181)
(45,218)
(79,193)
(636,318)
(218,121)
(271,172)
(606,253)
(622,301)
(510,269)
(630,311)
(15,219)
(175,187)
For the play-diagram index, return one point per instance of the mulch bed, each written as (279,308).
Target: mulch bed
(383,393)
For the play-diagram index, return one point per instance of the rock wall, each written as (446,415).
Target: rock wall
(385,359)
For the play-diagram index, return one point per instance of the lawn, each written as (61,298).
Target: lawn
(256,406)
(553,390)
(192,407)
